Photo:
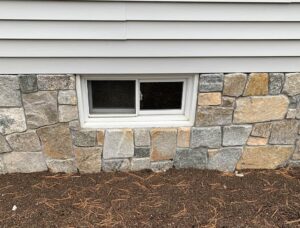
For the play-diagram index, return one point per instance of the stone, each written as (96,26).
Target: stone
(161,166)
(100,137)
(28,83)
(84,137)
(67,113)
(292,84)
(56,141)
(211,83)
(294,102)
(118,143)
(228,102)
(10,95)
(260,109)
(210,137)
(213,116)
(257,141)
(291,114)
(191,158)
(12,120)
(40,108)
(261,130)
(265,157)
(88,159)
(24,142)
(209,99)
(67,97)
(236,135)
(141,152)
(294,164)
(2,166)
(296,155)
(276,81)
(56,82)
(234,84)
(163,144)
(138,164)
(113,165)
(284,132)
(4,146)
(224,159)
(183,137)
(61,166)
(257,85)
(141,137)
(24,162)
(74,125)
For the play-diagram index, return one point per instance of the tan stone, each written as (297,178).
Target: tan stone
(183,137)
(228,101)
(296,155)
(258,84)
(88,159)
(234,84)
(292,84)
(291,114)
(100,137)
(260,109)
(257,141)
(262,130)
(265,157)
(209,99)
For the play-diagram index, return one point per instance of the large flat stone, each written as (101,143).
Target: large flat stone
(213,116)
(56,82)
(191,158)
(112,165)
(28,83)
(284,132)
(276,81)
(67,113)
(236,135)
(234,84)
(61,166)
(10,95)
(84,137)
(88,159)
(27,141)
(260,109)
(257,85)
(40,108)
(67,97)
(292,84)
(210,137)
(211,83)
(12,120)
(265,157)
(141,137)
(4,146)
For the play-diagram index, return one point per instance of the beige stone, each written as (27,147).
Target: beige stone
(183,137)
(257,141)
(234,84)
(88,159)
(262,130)
(265,157)
(209,99)
(291,114)
(100,137)
(257,85)
(260,109)
(296,155)
(292,84)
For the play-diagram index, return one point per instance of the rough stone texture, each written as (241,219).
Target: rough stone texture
(257,85)
(118,143)
(212,116)
(294,102)
(224,159)
(191,158)
(28,83)
(294,164)
(260,109)
(100,137)
(115,165)
(84,138)
(257,141)
(4,147)
(296,155)
(228,102)
(56,141)
(284,132)
(261,130)
(12,120)
(265,157)
(67,113)
(209,99)
(88,159)
(210,137)
(10,95)
(67,97)
(74,125)
(183,137)
(163,144)
(234,84)
(141,137)
(56,82)
(40,108)
(276,81)
(140,164)
(211,83)
(141,152)
(291,114)
(2,166)
(292,84)
(61,166)
(161,166)
(22,142)
(236,135)
(25,162)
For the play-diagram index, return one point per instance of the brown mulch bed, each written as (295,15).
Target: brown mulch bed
(177,198)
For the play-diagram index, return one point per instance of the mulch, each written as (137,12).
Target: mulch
(176,198)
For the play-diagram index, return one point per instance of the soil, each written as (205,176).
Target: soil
(177,198)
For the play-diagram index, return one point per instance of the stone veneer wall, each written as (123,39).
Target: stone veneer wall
(243,121)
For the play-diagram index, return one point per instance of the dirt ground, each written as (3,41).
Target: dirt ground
(177,198)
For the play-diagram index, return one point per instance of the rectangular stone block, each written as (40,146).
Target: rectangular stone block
(88,159)
(284,132)
(12,120)
(191,158)
(257,141)
(257,85)
(141,152)
(292,84)
(56,82)
(209,99)
(234,84)
(138,164)
(28,83)
(141,137)
(261,130)
(161,166)
(211,83)
(183,137)
(67,113)
(67,97)
(276,81)
(210,137)
(84,137)
(10,95)
(236,135)
(113,165)
(61,166)
(100,137)
(28,141)
(213,116)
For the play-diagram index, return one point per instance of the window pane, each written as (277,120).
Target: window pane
(161,95)
(112,97)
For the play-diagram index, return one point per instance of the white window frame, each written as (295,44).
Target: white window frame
(147,118)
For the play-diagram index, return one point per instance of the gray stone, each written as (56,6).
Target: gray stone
(24,162)
(294,102)
(138,164)
(88,159)
(284,132)
(74,125)
(234,84)
(28,83)
(67,97)
(2,166)
(141,152)
(224,159)
(84,138)
(118,143)
(296,155)
(67,113)
(292,164)
(56,82)
(12,120)
(40,108)
(61,166)
(236,135)
(211,82)
(161,166)
(212,116)
(292,84)
(141,137)
(276,81)
(4,147)
(10,95)
(112,165)
(28,142)
(191,158)
(206,137)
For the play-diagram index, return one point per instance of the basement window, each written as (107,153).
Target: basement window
(137,101)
